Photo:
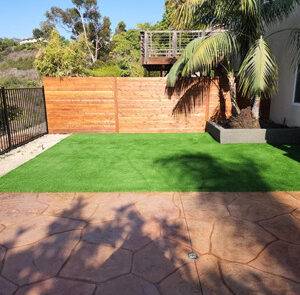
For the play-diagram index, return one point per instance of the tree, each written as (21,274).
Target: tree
(44,31)
(166,23)
(60,58)
(84,19)
(105,37)
(239,44)
(121,28)
(126,53)
(145,27)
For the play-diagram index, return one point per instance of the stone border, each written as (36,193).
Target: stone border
(271,136)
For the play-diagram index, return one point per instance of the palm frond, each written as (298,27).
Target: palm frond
(176,71)
(184,13)
(208,52)
(258,73)
(249,6)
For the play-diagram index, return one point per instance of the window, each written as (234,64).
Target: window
(297,87)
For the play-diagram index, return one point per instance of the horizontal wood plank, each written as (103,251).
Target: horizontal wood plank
(131,105)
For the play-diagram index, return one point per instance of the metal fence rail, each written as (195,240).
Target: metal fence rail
(23,117)
(167,43)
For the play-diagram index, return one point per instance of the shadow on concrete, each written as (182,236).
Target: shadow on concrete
(254,244)
(266,219)
(117,256)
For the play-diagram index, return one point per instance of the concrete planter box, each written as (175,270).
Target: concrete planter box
(272,136)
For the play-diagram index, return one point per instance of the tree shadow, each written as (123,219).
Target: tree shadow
(291,151)
(241,220)
(204,172)
(191,92)
(196,91)
(73,254)
(126,252)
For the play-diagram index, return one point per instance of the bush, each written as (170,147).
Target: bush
(6,43)
(126,53)
(20,64)
(28,46)
(60,58)
(14,82)
(106,70)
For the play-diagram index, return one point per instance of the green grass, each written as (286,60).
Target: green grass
(156,162)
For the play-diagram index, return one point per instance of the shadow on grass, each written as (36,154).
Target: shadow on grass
(291,151)
(253,248)
(206,173)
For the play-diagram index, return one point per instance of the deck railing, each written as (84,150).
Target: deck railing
(169,44)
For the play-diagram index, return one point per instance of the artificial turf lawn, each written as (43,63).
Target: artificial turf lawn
(156,162)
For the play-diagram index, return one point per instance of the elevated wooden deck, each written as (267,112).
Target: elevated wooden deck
(161,49)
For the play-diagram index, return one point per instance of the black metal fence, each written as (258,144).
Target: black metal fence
(23,116)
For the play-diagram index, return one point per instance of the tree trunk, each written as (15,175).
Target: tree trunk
(232,85)
(97,49)
(87,39)
(256,107)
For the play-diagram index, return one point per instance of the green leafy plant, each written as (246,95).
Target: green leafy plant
(15,82)
(82,19)
(59,58)
(20,64)
(239,43)
(126,53)
(105,70)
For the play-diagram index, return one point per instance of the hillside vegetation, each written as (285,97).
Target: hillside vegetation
(17,65)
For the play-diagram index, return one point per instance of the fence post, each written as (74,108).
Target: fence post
(6,117)
(174,43)
(45,109)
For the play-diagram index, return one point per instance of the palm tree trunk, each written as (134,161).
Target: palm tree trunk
(232,85)
(256,107)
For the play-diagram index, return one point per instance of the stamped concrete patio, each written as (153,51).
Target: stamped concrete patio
(139,244)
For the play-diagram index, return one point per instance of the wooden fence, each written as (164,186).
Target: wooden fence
(125,105)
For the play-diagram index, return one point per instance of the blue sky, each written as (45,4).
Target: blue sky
(19,17)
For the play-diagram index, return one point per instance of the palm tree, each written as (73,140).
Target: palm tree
(239,43)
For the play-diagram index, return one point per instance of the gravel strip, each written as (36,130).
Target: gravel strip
(23,154)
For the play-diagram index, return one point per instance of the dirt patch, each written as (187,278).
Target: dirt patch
(245,120)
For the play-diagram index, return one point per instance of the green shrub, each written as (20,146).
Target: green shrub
(20,64)
(28,46)
(14,82)
(126,53)
(59,58)
(106,70)
(6,43)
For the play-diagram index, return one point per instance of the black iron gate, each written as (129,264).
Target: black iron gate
(23,116)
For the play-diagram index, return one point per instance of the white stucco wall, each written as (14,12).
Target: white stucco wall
(282,106)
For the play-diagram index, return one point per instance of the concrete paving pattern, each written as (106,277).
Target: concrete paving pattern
(150,243)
